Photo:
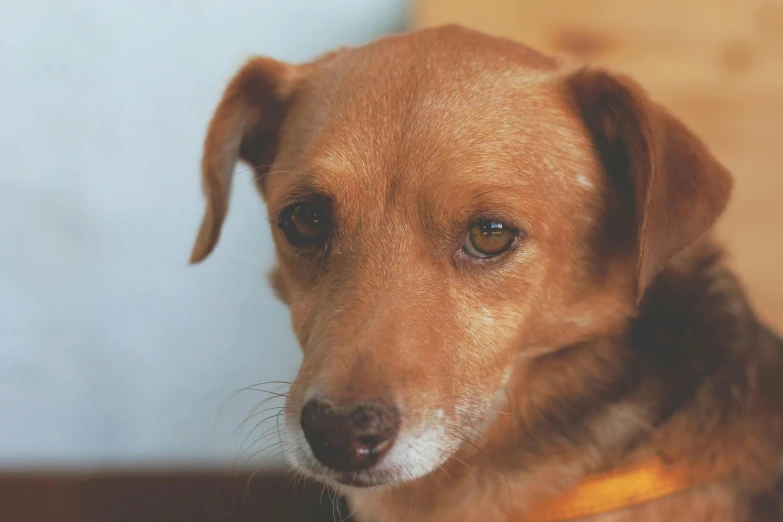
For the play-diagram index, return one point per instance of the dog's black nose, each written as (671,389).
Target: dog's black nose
(349,438)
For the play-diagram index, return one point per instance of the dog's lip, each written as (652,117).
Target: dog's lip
(356,481)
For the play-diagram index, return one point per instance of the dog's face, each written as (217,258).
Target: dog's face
(443,203)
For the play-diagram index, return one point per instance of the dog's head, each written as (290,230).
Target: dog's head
(443,203)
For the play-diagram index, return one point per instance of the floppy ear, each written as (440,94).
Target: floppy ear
(244,127)
(668,189)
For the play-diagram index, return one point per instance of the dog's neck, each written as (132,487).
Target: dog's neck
(685,365)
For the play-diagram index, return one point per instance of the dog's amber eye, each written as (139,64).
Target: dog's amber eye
(304,224)
(488,238)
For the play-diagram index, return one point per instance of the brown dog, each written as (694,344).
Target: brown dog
(498,271)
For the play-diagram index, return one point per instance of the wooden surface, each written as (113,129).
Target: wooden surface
(716,64)
(123,496)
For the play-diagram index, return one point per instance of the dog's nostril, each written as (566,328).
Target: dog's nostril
(349,438)
(368,441)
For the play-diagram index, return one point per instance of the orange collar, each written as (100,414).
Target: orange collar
(618,489)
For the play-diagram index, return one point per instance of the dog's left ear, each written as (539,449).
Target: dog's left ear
(668,189)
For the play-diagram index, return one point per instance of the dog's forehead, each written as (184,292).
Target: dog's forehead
(423,112)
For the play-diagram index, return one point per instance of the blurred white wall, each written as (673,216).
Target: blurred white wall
(113,350)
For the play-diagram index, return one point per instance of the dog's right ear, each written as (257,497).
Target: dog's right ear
(244,127)
(668,188)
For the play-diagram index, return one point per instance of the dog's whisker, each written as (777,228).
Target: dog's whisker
(255,411)
(353,512)
(320,498)
(264,438)
(268,432)
(463,438)
(264,446)
(269,449)
(272,446)
(250,388)
(501,412)
(477,433)
(259,424)
(264,383)
(263,402)
(410,503)
(332,498)
(258,467)
(443,468)
(247,388)
(242,424)
(298,479)
(294,476)
(339,509)
(435,478)
(261,390)
(277,422)
(263,461)
(241,437)
(471,468)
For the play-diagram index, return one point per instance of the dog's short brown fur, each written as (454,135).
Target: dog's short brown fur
(611,332)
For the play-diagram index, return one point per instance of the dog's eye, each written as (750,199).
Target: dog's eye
(488,238)
(304,224)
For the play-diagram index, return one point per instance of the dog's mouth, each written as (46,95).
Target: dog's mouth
(379,475)
(359,480)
